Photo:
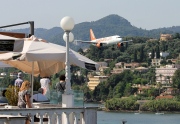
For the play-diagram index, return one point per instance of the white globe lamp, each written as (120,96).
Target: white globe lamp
(71,37)
(67,23)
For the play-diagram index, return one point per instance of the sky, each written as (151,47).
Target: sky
(145,14)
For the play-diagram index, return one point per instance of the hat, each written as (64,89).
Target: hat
(19,74)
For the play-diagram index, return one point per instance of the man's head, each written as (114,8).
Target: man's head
(19,75)
(62,78)
(3,93)
(40,90)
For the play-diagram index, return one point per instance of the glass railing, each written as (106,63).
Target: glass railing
(56,98)
(78,98)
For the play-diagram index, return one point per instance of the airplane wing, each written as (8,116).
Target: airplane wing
(93,42)
(126,41)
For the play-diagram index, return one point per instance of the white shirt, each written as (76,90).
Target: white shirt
(45,82)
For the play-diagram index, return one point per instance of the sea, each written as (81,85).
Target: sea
(134,118)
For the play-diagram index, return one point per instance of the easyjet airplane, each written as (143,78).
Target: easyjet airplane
(116,39)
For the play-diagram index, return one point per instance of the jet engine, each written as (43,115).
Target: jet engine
(99,45)
(119,45)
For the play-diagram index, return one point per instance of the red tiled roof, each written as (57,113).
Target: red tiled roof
(165,97)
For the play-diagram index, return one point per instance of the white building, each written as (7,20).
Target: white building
(164,74)
(164,54)
(3,74)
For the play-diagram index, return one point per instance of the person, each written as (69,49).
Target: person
(45,84)
(39,97)
(60,86)
(24,95)
(18,82)
(3,97)
(24,98)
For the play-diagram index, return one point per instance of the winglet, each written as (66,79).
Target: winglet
(92,37)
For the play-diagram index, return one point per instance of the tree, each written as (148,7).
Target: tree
(176,79)
(141,54)
(159,84)
(176,36)
(152,54)
(135,55)
(157,52)
(160,75)
(126,45)
(128,90)
(168,77)
(80,51)
(107,71)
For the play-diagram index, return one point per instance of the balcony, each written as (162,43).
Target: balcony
(54,115)
(51,113)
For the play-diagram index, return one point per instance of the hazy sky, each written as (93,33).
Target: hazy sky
(147,14)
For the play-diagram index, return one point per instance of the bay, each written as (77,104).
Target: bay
(131,118)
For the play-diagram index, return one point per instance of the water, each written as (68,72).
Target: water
(131,118)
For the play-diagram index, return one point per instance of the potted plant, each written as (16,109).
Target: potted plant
(12,95)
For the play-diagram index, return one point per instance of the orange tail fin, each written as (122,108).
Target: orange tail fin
(92,37)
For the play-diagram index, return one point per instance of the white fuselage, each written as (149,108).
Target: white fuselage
(108,40)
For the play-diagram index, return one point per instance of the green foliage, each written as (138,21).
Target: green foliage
(161,105)
(121,104)
(135,55)
(176,79)
(157,52)
(12,95)
(141,54)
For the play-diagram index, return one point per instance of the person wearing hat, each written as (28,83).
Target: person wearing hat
(18,82)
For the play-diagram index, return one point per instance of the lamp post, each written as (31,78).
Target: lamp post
(67,24)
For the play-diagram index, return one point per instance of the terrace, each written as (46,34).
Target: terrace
(51,113)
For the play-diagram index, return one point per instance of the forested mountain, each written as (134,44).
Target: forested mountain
(109,25)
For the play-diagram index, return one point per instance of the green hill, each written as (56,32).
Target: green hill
(106,26)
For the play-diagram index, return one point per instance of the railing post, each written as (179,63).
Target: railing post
(90,116)
(82,121)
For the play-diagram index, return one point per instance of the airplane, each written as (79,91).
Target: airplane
(116,39)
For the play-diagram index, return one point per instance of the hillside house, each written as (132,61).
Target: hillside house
(121,66)
(13,74)
(95,80)
(164,74)
(166,37)
(156,62)
(141,69)
(3,74)
(171,91)
(162,54)
(101,69)
(165,97)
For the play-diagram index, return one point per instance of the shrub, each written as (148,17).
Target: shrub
(12,95)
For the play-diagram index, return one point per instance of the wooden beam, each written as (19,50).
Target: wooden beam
(12,34)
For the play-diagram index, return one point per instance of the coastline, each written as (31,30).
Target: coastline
(128,111)
(101,107)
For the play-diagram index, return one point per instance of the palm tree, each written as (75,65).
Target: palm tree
(160,83)
(168,77)
(160,75)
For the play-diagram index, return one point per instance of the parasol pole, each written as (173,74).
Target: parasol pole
(32,80)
